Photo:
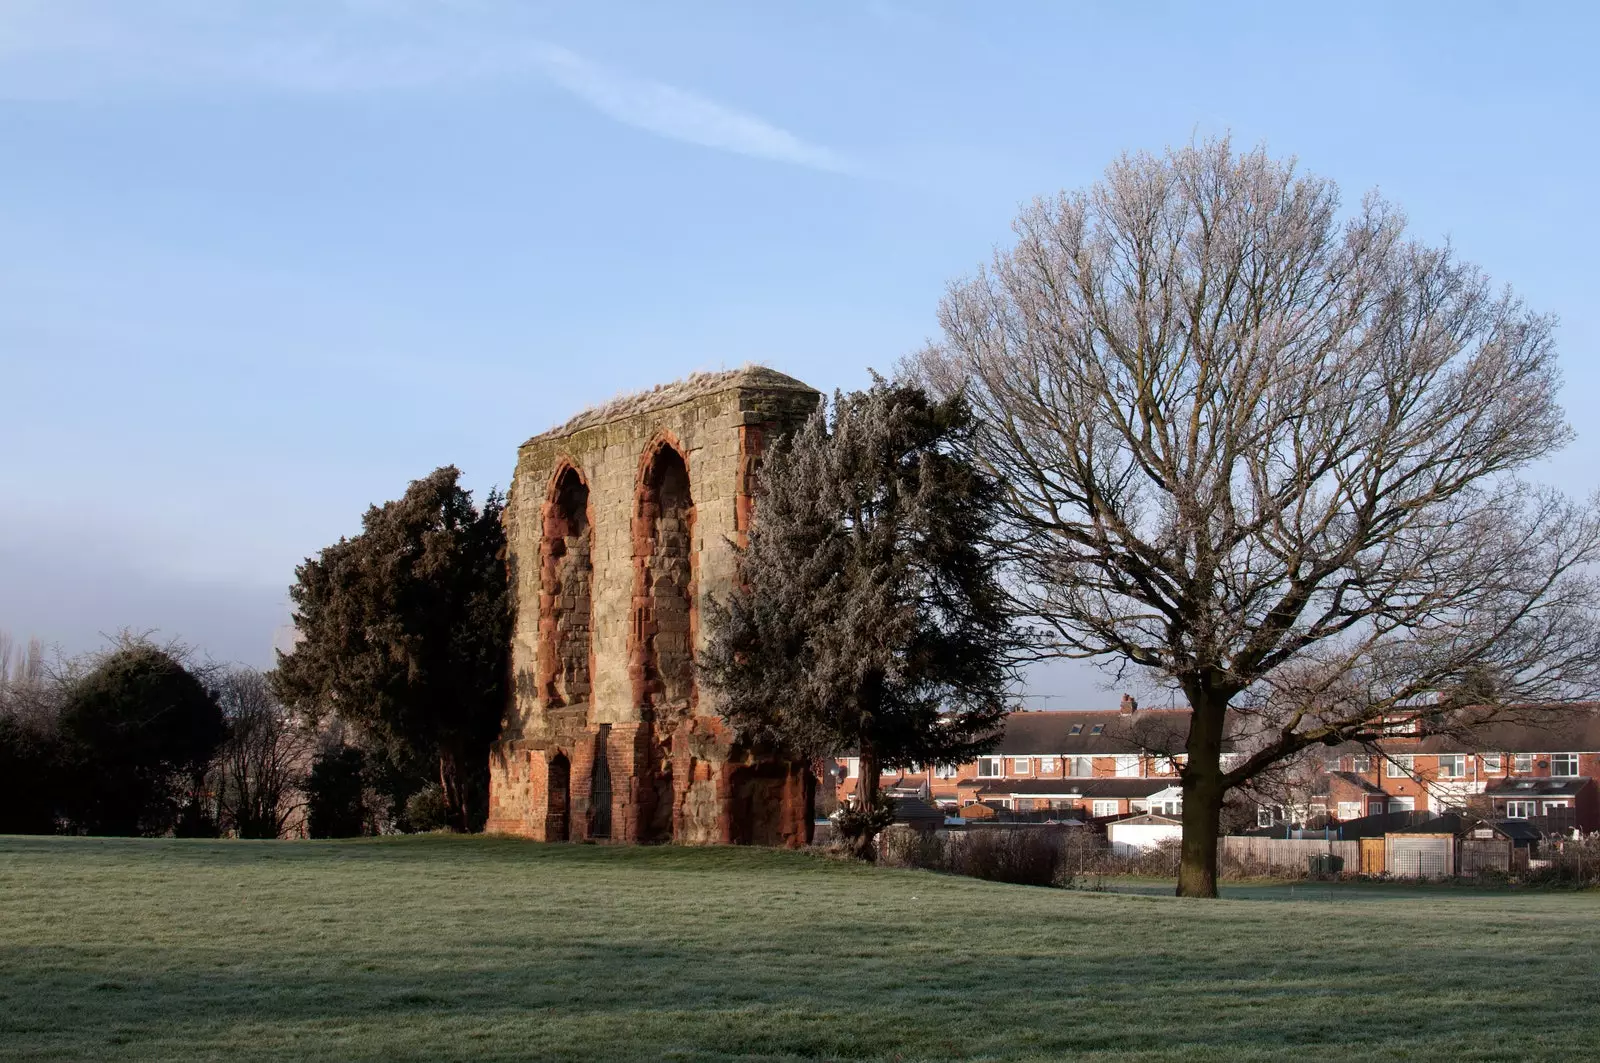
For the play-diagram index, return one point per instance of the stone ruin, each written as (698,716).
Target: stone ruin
(620,525)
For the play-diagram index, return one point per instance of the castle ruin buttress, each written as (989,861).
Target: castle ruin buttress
(620,526)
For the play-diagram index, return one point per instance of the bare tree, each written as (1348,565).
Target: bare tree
(260,770)
(1265,453)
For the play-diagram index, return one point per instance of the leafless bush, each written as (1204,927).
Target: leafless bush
(260,770)
(1576,865)
(1028,857)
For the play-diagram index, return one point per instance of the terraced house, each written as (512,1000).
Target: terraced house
(1098,764)
(1543,766)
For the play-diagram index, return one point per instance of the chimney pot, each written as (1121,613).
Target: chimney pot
(1129,705)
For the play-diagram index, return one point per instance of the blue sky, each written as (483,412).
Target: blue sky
(263,263)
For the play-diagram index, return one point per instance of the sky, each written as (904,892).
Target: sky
(261,264)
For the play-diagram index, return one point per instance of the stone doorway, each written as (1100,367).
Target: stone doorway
(559,787)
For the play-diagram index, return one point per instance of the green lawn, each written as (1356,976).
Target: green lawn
(481,948)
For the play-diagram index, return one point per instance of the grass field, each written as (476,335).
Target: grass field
(481,948)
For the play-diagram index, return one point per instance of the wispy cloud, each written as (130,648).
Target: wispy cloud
(61,48)
(679,114)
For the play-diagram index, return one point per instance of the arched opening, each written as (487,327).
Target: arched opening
(662,658)
(663,610)
(567,575)
(757,804)
(600,786)
(559,788)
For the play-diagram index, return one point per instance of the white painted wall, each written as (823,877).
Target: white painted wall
(1128,839)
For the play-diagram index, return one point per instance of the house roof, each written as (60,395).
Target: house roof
(915,810)
(1571,728)
(1147,819)
(1524,787)
(1381,824)
(1126,788)
(1102,733)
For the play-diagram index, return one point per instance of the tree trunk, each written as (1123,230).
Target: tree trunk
(1202,799)
(864,845)
(450,783)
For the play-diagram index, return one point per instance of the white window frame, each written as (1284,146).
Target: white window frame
(945,771)
(1521,809)
(1020,765)
(1105,807)
(1566,758)
(991,767)
(1047,765)
(1546,806)
(1127,765)
(1398,766)
(1491,762)
(1402,804)
(1349,810)
(1361,763)
(1457,766)
(1522,763)
(852,767)
(1074,764)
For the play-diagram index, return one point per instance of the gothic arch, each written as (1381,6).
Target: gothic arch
(661,657)
(566,579)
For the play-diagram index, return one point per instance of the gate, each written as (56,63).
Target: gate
(1372,851)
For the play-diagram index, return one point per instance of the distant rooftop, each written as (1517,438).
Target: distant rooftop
(662,396)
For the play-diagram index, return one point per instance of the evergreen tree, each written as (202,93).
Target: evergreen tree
(869,618)
(405,632)
(138,733)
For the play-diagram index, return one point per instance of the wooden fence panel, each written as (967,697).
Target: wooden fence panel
(1288,854)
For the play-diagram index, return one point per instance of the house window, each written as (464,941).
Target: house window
(989,768)
(1519,809)
(1548,805)
(1398,767)
(1333,764)
(1097,729)
(1564,765)
(1266,815)
(1080,767)
(914,769)
(1491,762)
(1168,808)
(944,771)
(1522,763)
(1127,765)
(1361,763)
(1452,766)
(1106,808)
(1166,766)
(1047,765)
(1402,804)
(1077,729)
(1349,809)
(852,768)
(1019,765)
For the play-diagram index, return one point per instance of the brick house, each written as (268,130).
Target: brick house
(1528,768)
(1098,764)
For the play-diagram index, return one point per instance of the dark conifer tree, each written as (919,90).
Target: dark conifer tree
(405,631)
(869,618)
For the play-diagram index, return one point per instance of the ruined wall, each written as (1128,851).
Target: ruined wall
(620,526)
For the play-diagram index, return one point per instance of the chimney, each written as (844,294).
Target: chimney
(1129,705)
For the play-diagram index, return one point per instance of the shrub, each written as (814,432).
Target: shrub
(426,810)
(335,805)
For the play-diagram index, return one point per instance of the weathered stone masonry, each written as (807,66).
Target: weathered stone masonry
(620,524)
